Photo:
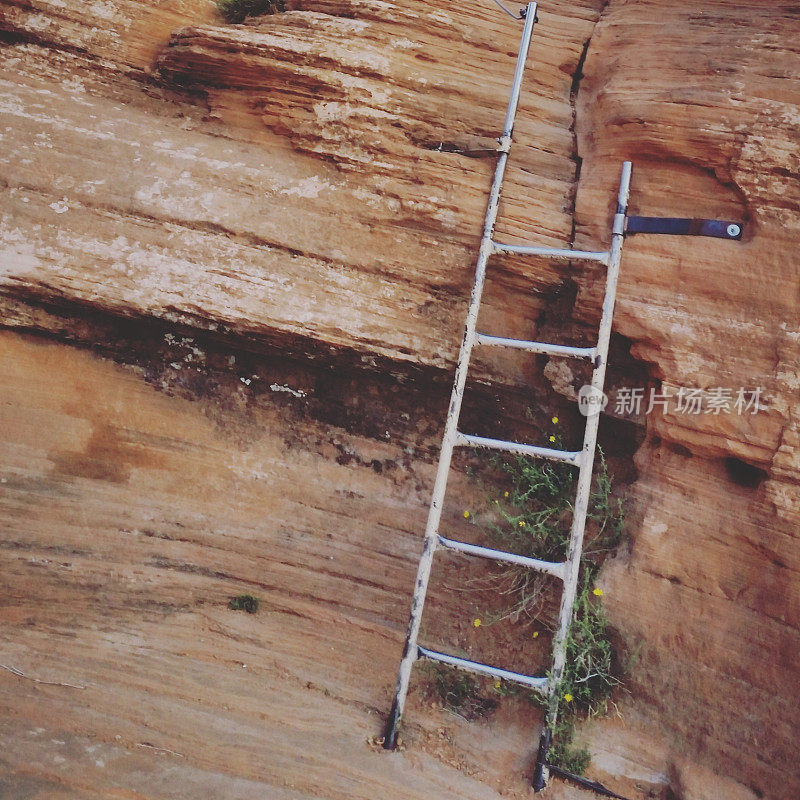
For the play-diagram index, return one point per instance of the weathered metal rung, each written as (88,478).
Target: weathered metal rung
(549,567)
(552,252)
(540,684)
(585,353)
(564,456)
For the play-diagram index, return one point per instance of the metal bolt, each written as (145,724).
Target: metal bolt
(734,230)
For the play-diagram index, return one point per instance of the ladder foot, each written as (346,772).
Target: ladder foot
(540,772)
(392,726)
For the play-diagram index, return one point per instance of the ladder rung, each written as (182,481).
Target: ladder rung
(565,456)
(540,684)
(552,252)
(587,353)
(550,567)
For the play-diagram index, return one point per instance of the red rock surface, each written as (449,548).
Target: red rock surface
(255,222)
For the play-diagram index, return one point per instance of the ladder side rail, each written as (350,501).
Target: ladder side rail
(410,650)
(583,491)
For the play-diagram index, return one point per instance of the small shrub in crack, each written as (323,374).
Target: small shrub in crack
(244,602)
(591,674)
(236,11)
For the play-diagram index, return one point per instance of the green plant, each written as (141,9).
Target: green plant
(564,753)
(236,11)
(244,602)
(459,692)
(591,672)
(533,517)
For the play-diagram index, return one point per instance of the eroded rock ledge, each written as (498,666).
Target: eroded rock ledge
(298,184)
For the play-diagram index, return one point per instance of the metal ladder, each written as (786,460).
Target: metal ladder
(582,459)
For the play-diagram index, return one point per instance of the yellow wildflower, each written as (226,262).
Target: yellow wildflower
(505,494)
(497,684)
(466,515)
(535,634)
(555,420)
(521,524)
(568,697)
(476,623)
(552,438)
(597,592)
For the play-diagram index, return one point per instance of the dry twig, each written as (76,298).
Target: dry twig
(19,673)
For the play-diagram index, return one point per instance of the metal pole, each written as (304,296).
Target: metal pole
(410,651)
(583,491)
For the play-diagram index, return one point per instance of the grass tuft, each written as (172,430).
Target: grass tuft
(564,753)
(459,692)
(244,602)
(236,11)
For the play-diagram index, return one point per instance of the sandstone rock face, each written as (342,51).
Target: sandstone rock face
(271,228)
(320,168)
(710,118)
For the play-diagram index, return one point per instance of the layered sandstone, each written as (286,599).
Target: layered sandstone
(319,157)
(715,549)
(270,228)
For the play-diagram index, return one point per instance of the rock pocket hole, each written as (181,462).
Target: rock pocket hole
(744,474)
